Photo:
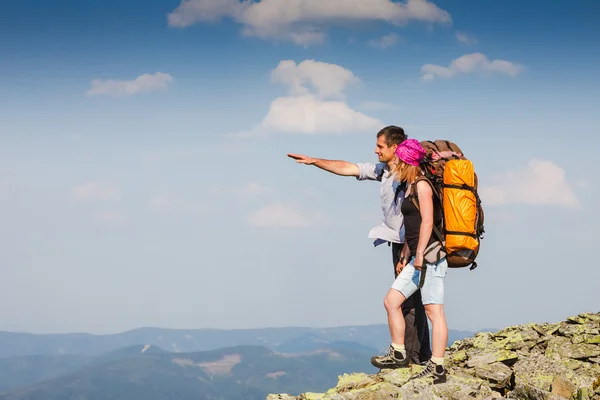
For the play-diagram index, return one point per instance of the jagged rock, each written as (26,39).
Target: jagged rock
(546,329)
(547,361)
(478,358)
(591,339)
(398,376)
(379,391)
(562,387)
(528,392)
(280,397)
(457,387)
(310,396)
(497,374)
(584,318)
(540,372)
(579,329)
(516,339)
(561,347)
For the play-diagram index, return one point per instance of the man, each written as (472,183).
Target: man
(391,230)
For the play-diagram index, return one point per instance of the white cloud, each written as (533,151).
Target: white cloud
(311,115)
(324,79)
(96,191)
(285,215)
(302,21)
(308,109)
(385,41)
(470,64)
(141,84)
(465,38)
(539,183)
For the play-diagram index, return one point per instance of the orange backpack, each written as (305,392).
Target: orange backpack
(454,184)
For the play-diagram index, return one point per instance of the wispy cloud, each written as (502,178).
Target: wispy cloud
(96,191)
(538,183)
(470,64)
(303,22)
(465,38)
(385,41)
(118,88)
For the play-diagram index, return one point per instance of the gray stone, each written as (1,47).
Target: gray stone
(562,387)
(479,358)
(497,374)
(562,347)
(530,362)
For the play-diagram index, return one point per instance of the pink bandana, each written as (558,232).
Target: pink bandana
(411,152)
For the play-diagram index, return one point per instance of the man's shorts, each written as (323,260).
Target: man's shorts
(432,291)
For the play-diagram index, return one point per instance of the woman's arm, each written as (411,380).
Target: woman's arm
(425,195)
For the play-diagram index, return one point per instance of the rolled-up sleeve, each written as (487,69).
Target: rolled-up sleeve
(368,171)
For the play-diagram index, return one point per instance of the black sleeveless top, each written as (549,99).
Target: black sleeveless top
(412,222)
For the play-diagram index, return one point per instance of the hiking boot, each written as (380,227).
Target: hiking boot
(391,359)
(432,370)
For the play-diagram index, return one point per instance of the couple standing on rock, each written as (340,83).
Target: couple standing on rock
(409,231)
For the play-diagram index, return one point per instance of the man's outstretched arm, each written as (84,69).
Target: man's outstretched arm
(338,167)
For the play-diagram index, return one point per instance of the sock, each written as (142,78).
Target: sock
(400,348)
(438,361)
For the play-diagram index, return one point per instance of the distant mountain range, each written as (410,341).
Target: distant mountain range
(155,363)
(289,339)
(233,373)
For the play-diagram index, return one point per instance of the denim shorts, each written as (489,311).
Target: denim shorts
(432,291)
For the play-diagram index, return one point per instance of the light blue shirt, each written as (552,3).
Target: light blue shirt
(391,228)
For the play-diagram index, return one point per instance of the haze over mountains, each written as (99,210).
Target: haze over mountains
(156,363)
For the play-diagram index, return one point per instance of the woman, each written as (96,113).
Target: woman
(418,225)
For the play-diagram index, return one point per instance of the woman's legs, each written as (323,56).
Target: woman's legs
(435,313)
(393,303)
(433,300)
(403,286)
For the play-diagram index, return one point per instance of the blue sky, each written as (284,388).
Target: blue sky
(144,182)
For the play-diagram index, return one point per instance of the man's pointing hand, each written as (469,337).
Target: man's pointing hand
(302,159)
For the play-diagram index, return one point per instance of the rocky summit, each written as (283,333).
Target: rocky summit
(548,361)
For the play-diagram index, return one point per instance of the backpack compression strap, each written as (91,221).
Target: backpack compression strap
(415,200)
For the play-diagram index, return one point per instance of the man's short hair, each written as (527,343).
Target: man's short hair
(392,135)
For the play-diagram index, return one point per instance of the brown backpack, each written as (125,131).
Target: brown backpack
(454,182)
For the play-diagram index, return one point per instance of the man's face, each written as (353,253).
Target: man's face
(384,153)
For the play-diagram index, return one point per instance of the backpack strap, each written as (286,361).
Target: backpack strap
(415,200)
(398,188)
(379,170)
